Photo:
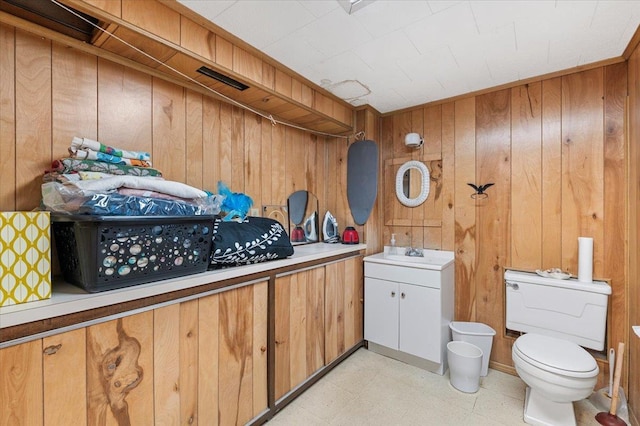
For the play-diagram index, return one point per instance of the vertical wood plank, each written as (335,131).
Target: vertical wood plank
(130,342)
(266,162)
(280,189)
(493,139)
(633,196)
(225,136)
(615,222)
(65,378)
(526,191)
(358,299)
(188,343)
(297,328)
(194,146)
(154,17)
(7,118)
(331,312)
(253,152)
(166,364)
(334,311)
(74,88)
(582,166)
(208,326)
(114,7)
(33,116)
(235,340)
(211,137)
(552,173)
(260,319)
(282,300)
(237,150)
(465,212)
(350,294)
(124,107)
(448,176)
(315,319)
(169,124)
(197,39)
(21,396)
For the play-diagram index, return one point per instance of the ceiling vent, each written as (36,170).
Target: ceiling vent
(222,78)
(49,15)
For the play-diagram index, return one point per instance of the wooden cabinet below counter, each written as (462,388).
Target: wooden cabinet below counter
(228,352)
(201,359)
(318,318)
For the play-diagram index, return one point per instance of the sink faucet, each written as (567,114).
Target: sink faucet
(413,252)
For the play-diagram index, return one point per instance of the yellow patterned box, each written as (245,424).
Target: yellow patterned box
(25,257)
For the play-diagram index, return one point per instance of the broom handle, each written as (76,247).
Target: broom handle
(616,379)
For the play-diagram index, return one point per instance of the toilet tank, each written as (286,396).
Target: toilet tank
(566,309)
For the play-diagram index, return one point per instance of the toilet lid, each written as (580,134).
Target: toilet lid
(555,353)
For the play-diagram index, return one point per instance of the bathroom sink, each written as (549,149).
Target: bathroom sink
(431,259)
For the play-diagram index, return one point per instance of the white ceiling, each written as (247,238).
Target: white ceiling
(410,52)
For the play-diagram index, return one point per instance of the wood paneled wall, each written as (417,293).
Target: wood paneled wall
(555,149)
(51,93)
(633,346)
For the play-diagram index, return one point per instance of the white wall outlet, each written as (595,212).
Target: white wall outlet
(254,212)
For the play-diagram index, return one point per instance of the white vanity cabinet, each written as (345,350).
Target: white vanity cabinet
(408,305)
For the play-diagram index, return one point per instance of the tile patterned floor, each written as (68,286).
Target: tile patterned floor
(370,389)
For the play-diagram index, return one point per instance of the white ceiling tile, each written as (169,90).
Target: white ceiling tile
(414,51)
(388,49)
(207,8)
(345,66)
(450,26)
(334,33)
(440,5)
(384,16)
(296,52)
(319,7)
(491,15)
(248,19)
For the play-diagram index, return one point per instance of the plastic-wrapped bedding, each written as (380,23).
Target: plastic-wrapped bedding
(131,205)
(62,198)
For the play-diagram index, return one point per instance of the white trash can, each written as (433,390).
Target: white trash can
(478,334)
(465,362)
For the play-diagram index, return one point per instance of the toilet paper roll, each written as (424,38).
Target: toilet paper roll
(585,259)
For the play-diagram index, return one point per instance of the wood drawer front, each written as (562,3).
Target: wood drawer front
(403,274)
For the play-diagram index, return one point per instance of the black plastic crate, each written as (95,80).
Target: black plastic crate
(99,253)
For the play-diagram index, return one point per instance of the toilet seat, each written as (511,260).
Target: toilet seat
(555,356)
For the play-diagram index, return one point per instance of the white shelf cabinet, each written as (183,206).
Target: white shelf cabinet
(407,311)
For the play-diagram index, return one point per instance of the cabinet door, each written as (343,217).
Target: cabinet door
(381,312)
(64,367)
(232,356)
(343,307)
(420,321)
(299,328)
(21,384)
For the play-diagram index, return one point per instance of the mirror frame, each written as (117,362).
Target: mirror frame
(424,189)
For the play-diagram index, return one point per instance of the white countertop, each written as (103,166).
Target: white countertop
(67,298)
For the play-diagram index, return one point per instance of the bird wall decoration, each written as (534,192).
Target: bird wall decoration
(480,190)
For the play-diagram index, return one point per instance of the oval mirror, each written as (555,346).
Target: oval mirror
(412,183)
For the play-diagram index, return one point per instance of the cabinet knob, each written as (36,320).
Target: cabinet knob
(393,294)
(402,295)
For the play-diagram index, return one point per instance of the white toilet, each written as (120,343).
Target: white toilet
(559,316)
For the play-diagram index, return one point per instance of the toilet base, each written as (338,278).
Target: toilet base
(543,412)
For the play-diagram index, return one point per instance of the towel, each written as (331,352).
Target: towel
(84,143)
(70,165)
(89,154)
(177,189)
